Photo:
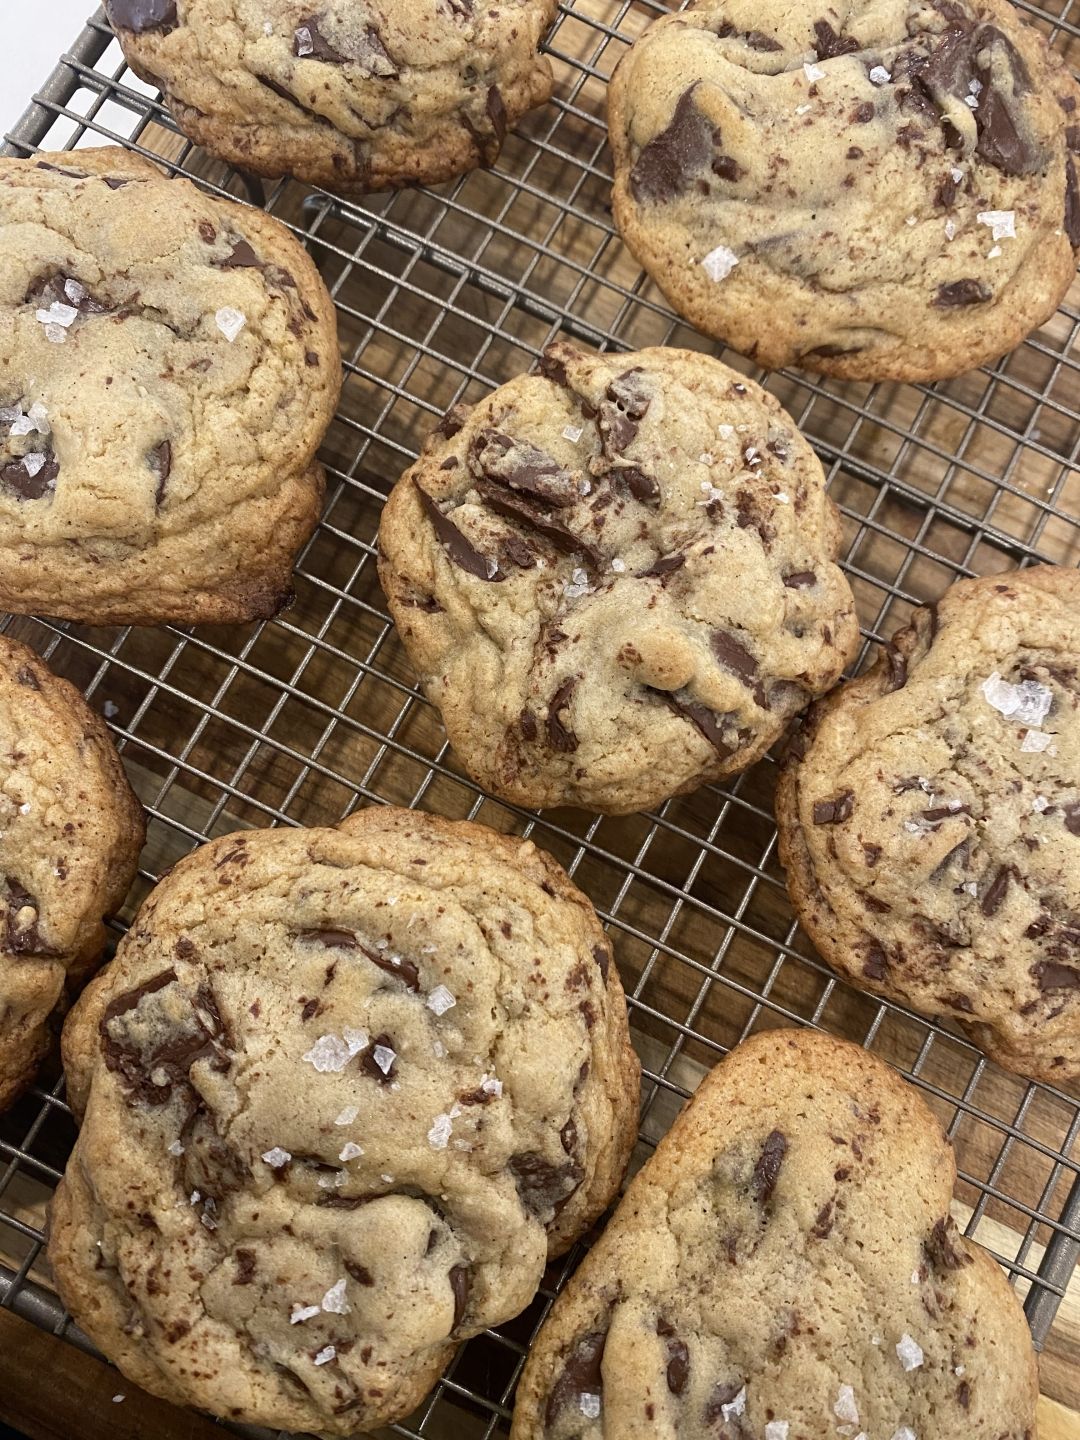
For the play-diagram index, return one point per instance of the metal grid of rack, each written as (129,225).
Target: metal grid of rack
(441,295)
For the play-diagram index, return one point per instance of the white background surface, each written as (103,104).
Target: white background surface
(34,34)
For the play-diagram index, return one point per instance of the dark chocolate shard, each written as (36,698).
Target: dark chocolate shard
(1072,203)
(1000,142)
(544,1187)
(627,403)
(309,43)
(580,1375)
(244,1260)
(678,1362)
(767,1166)
(460,1284)
(395,965)
(1049,975)
(459,548)
(524,468)
(828,44)
(670,161)
(995,894)
(496,110)
(330,938)
(58,289)
(240,257)
(530,513)
(160,462)
(800,580)
(709,722)
(734,656)
(836,810)
(641,485)
(876,963)
(360,1273)
(27,479)
(943,1249)
(602,956)
(561,737)
(141,16)
(961,292)
(665,565)
(758,40)
(1071,814)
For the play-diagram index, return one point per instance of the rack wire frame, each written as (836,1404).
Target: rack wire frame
(440,296)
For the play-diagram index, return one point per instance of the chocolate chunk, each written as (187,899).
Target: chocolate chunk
(401,969)
(52,290)
(829,44)
(942,1247)
(1071,815)
(245,1266)
(963,1394)
(527,725)
(568,1136)
(734,656)
(553,368)
(524,467)
(580,1375)
(150,1072)
(876,964)
(371,1066)
(999,141)
(460,1282)
(665,565)
(678,1364)
(709,722)
(458,547)
(22,932)
(628,400)
(835,811)
(961,292)
(957,1000)
(320,47)
(724,1392)
(516,551)
(602,956)
(160,462)
(863,113)
(1072,204)
(542,1186)
(945,812)
(361,1274)
(140,16)
(640,485)
(800,580)
(16,478)
(332,939)
(242,256)
(767,1166)
(531,513)
(496,110)
(1049,975)
(992,900)
(896,668)
(130,998)
(561,737)
(26,677)
(284,93)
(758,40)
(668,164)
(453,422)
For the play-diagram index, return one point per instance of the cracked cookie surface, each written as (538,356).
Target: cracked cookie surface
(168,367)
(885,189)
(785,1268)
(70,835)
(931,827)
(616,578)
(352,94)
(364,1081)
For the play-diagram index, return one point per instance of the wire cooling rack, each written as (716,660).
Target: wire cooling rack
(441,295)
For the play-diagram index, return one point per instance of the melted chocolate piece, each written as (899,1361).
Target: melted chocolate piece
(941,1248)
(242,256)
(17,479)
(1000,143)
(828,44)
(733,655)
(835,811)
(961,292)
(767,1166)
(678,1365)
(580,1375)
(460,1284)
(140,16)
(666,565)
(1072,204)
(51,290)
(758,40)
(332,939)
(173,1056)
(245,1266)
(530,513)
(360,1273)
(602,956)
(1049,975)
(1071,814)
(160,462)
(991,902)
(524,468)
(26,677)
(458,547)
(627,403)
(553,369)
(640,485)
(403,970)
(321,49)
(371,1066)
(876,964)
(709,722)
(23,938)
(561,737)
(800,580)
(496,110)
(668,164)
(542,1186)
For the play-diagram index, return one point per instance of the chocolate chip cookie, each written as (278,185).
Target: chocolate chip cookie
(884,192)
(616,578)
(930,819)
(785,1268)
(361,1083)
(70,835)
(352,94)
(169,366)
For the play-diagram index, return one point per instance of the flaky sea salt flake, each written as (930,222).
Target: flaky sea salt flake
(440,1000)
(176,1148)
(334,1302)
(58,314)
(573,433)
(719,263)
(350,1151)
(302,1312)
(734,1407)
(909,1352)
(590,1405)
(355,1040)
(1027,703)
(325,1355)
(879,75)
(813,72)
(277,1158)
(348,1115)
(1035,742)
(845,1407)
(618,565)
(801,109)
(384,1058)
(328,1054)
(904,1433)
(304,45)
(1002,223)
(491,1085)
(33,462)
(439,1134)
(1039,804)
(230,322)
(950,229)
